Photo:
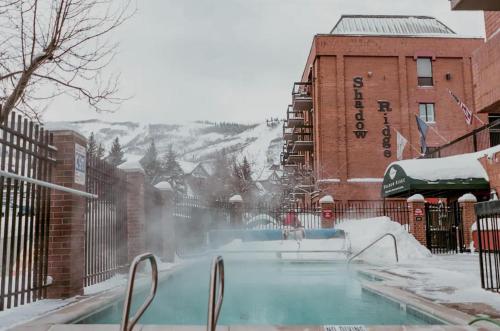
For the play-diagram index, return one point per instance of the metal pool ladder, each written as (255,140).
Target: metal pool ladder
(376,241)
(128,324)
(216,274)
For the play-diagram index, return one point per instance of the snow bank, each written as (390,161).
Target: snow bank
(363,232)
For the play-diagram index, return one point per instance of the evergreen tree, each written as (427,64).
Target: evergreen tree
(151,164)
(100,151)
(222,181)
(172,172)
(115,156)
(92,145)
(242,174)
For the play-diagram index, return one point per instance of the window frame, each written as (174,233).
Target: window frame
(426,105)
(425,80)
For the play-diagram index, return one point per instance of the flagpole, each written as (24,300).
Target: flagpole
(408,141)
(440,136)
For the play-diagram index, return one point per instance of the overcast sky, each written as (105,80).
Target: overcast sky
(230,60)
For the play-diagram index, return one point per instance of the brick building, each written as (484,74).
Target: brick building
(486,73)
(366,79)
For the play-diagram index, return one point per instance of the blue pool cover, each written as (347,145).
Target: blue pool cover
(221,237)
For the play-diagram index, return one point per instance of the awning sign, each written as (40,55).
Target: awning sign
(395,181)
(80,164)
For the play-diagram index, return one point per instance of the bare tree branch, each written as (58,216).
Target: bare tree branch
(54,47)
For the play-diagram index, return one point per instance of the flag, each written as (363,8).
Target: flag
(422,128)
(467,112)
(401,143)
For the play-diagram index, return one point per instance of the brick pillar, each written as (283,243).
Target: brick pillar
(327,217)
(236,213)
(135,213)
(416,207)
(67,219)
(467,203)
(167,221)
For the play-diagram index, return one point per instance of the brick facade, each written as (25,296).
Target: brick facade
(135,213)
(66,232)
(491,164)
(417,222)
(351,168)
(491,23)
(486,73)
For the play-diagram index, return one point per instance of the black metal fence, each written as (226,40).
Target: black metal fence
(476,140)
(487,228)
(105,221)
(444,228)
(195,217)
(26,150)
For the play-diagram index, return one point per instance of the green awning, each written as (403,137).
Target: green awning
(398,184)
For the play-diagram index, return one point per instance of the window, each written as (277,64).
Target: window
(424,71)
(426,112)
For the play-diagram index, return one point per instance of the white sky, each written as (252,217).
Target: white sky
(230,60)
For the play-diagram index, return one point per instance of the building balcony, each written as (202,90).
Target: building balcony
(302,146)
(302,97)
(295,122)
(296,159)
(487,5)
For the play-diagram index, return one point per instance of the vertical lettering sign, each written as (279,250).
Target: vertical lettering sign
(80,164)
(385,107)
(360,131)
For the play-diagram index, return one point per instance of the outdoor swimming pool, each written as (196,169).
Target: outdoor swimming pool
(267,292)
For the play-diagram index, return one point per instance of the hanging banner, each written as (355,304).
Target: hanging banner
(401,144)
(467,112)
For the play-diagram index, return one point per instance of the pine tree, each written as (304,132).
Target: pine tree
(172,172)
(151,164)
(115,156)
(92,145)
(100,151)
(242,176)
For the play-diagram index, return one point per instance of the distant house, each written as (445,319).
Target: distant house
(195,177)
(268,179)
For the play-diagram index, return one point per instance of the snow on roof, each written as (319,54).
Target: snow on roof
(461,166)
(164,186)
(391,25)
(187,167)
(131,165)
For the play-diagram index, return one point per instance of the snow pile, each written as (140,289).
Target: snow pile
(461,166)
(362,233)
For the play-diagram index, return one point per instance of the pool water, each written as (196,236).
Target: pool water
(267,292)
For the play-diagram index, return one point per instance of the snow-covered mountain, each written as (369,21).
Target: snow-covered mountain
(192,141)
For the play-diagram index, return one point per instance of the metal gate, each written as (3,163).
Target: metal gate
(444,228)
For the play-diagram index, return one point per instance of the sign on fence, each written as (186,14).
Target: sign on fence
(80,164)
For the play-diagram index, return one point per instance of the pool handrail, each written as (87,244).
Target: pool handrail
(214,307)
(126,323)
(376,241)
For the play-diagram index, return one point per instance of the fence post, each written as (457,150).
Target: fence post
(167,221)
(327,205)
(66,263)
(236,213)
(417,218)
(467,202)
(136,217)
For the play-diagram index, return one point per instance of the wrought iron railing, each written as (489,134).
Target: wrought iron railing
(27,151)
(105,221)
(486,231)
(476,140)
